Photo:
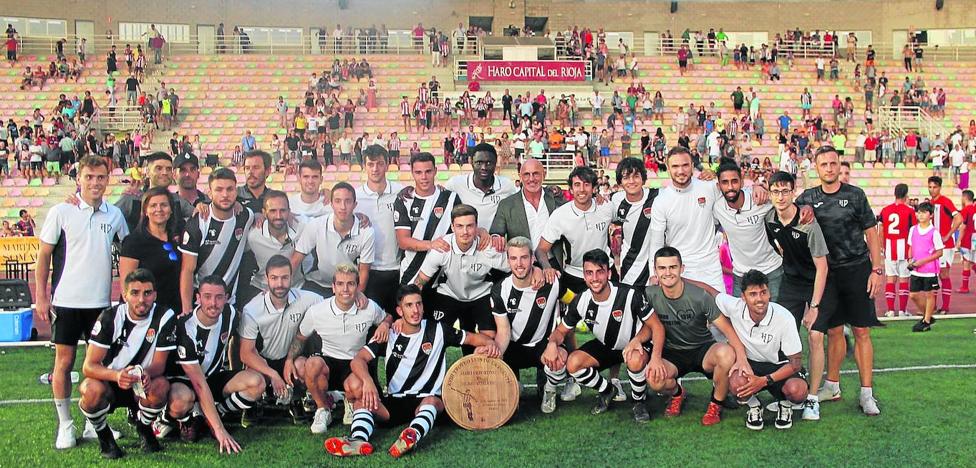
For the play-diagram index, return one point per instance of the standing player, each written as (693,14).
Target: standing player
(850,230)
(343,328)
(482,189)
(310,202)
(82,281)
(896,220)
(632,208)
(198,374)
(214,245)
(416,359)
(275,237)
(125,361)
(924,249)
(966,249)
(420,222)
(946,220)
(621,326)
(524,318)
(376,199)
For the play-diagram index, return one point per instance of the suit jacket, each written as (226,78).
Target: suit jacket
(511,221)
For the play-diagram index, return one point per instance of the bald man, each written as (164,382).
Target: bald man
(526,212)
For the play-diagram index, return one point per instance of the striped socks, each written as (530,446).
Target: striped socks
(362,425)
(424,419)
(638,384)
(147,415)
(234,402)
(589,377)
(97,418)
(554,378)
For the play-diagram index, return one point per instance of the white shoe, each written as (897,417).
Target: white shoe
(66,436)
(773,406)
(321,420)
(159,428)
(904,313)
(890,313)
(548,401)
(347,414)
(811,410)
(826,394)
(620,396)
(90,434)
(570,391)
(870,406)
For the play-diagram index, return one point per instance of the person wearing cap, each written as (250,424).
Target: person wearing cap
(187,167)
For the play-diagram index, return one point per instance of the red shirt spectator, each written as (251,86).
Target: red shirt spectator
(871,143)
(911,141)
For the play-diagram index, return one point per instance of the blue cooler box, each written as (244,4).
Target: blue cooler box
(16,325)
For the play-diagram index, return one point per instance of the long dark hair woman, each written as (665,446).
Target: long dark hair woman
(153,246)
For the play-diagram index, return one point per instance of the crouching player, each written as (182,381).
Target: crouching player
(125,361)
(201,377)
(415,363)
(524,317)
(773,348)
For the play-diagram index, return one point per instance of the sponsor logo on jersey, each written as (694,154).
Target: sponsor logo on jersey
(817,205)
(151,335)
(438,315)
(617,315)
(426,347)
(796,235)
(512,301)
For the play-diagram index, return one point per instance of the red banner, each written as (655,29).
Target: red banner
(505,70)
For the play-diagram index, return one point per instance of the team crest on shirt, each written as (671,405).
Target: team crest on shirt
(181,352)
(151,335)
(438,211)
(617,315)
(843,203)
(701,202)
(238,233)
(396,216)
(426,347)
(224,336)
(540,301)
(647,212)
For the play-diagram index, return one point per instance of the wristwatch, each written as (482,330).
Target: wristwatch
(878,271)
(769,380)
(814,305)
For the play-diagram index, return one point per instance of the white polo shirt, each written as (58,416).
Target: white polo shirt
(83,237)
(464,270)
(378,207)
(584,230)
(683,219)
(332,248)
(485,202)
(277,327)
(746,230)
(264,246)
(537,219)
(308,211)
(343,333)
(772,339)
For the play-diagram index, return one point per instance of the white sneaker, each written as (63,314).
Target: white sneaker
(66,436)
(890,313)
(811,410)
(321,420)
(620,396)
(90,434)
(869,406)
(826,394)
(904,313)
(773,406)
(570,391)
(159,428)
(347,414)
(548,401)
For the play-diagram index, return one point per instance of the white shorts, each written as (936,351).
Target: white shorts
(897,268)
(948,254)
(968,255)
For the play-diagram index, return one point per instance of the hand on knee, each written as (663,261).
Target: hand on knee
(736,382)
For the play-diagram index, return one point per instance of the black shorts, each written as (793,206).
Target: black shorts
(402,409)
(216,382)
(519,356)
(121,398)
(923,283)
(339,370)
(762,369)
(604,355)
(682,63)
(688,360)
(68,325)
(568,282)
(36,165)
(472,315)
(381,288)
(854,306)
(795,294)
(278,365)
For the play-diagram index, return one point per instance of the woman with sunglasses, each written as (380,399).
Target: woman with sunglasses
(153,246)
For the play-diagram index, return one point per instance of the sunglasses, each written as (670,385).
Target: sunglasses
(168,247)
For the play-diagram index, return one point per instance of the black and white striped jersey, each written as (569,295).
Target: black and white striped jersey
(133,342)
(614,321)
(207,346)
(415,364)
(427,218)
(218,245)
(532,313)
(636,220)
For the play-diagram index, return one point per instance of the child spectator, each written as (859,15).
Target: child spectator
(924,250)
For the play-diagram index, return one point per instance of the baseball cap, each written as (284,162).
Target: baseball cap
(186,158)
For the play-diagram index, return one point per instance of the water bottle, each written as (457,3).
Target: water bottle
(45,378)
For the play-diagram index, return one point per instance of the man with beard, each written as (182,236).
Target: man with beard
(482,189)
(257,168)
(276,236)
(159,174)
(187,168)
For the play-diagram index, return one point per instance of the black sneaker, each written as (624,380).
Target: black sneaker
(641,415)
(150,444)
(754,418)
(921,326)
(784,417)
(106,443)
(603,401)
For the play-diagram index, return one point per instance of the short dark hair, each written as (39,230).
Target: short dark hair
(728,166)
(345,186)
(21,212)
(276,194)
(935,180)
(265,157)
(407,290)
(374,152)
(277,261)
(754,278)
(215,280)
(823,150)
(139,275)
(901,191)
(422,157)
(631,165)
(597,257)
(845,164)
(678,150)
(157,156)
(926,207)
(222,173)
(310,164)
(667,252)
(463,210)
(488,148)
(782,177)
(968,194)
(584,174)
(91,161)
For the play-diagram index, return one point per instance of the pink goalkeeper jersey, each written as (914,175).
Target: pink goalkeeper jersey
(923,243)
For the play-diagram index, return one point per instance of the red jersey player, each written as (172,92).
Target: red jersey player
(896,221)
(947,220)
(966,249)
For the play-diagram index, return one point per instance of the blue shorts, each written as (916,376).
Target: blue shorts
(604,152)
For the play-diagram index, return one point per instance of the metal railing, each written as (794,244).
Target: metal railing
(898,120)
(120,118)
(558,161)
